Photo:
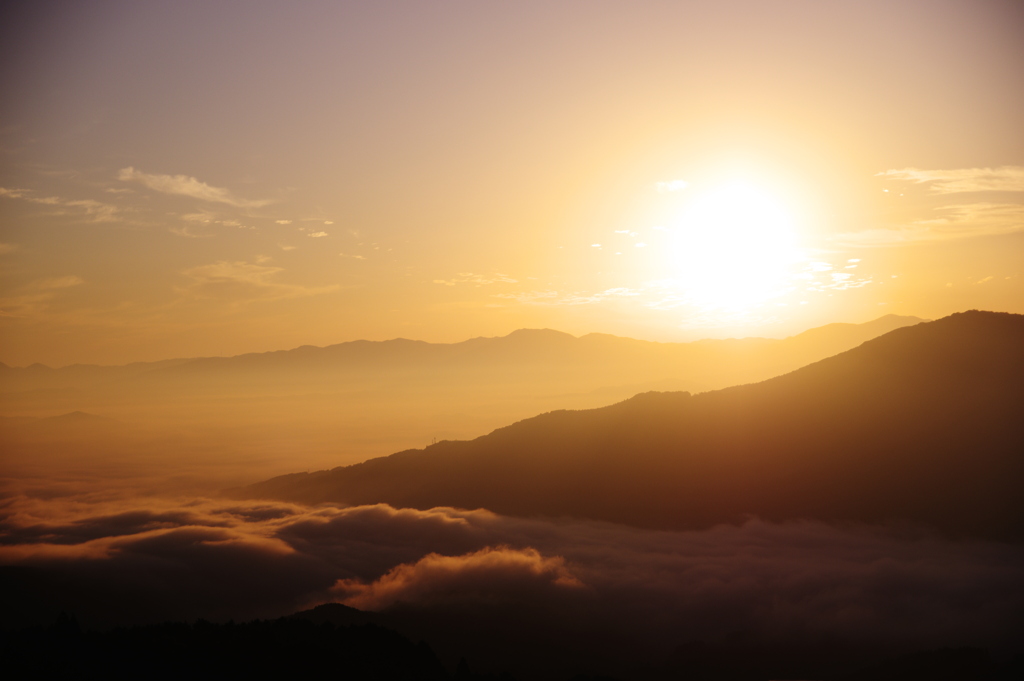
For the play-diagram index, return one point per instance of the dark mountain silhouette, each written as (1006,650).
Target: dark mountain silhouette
(332,641)
(536,645)
(922,424)
(287,648)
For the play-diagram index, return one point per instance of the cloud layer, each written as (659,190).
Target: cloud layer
(166,558)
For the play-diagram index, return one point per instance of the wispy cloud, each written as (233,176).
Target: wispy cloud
(245,281)
(954,222)
(16,194)
(95,210)
(185,232)
(672,186)
(58,282)
(1001,179)
(840,281)
(7,248)
(99,212)
(184,185)
(477,279)
(317,235)
(33,298)
(549,297)
(209,218)
(677,294)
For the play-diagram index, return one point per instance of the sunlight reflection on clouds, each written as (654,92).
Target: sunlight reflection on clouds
(219,556)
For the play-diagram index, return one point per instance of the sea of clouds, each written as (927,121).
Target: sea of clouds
(118,559)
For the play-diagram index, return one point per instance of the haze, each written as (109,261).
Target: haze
(206,180)
(555,340)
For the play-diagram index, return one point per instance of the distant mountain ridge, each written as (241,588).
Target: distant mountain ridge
(922,424)
(311,407)
(541,347)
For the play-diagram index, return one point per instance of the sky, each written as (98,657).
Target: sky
(189,178)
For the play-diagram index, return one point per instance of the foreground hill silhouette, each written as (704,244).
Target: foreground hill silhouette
(922,424)
(332,641)
(286,648)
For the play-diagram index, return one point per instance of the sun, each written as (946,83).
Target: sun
(732,248)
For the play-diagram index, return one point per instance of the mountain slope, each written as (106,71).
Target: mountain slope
(921,424)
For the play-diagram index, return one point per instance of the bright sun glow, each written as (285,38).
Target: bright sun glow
(733,248)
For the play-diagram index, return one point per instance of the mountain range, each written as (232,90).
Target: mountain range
(313,407)
(613,357)
(922,425)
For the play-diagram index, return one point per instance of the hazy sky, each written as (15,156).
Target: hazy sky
(196,178)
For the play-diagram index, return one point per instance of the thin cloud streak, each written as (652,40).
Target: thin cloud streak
(95,210)
(33,299)
(959,221)
(476,279)
(242,281)
(185,185)
(1001,179)
(184,231)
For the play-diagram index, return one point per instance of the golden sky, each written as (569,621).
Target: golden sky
(189,178)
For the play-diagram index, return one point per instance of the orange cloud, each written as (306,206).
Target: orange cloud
(247,558)
(183,185)
(1001,179)
(491,574)
(244,281)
